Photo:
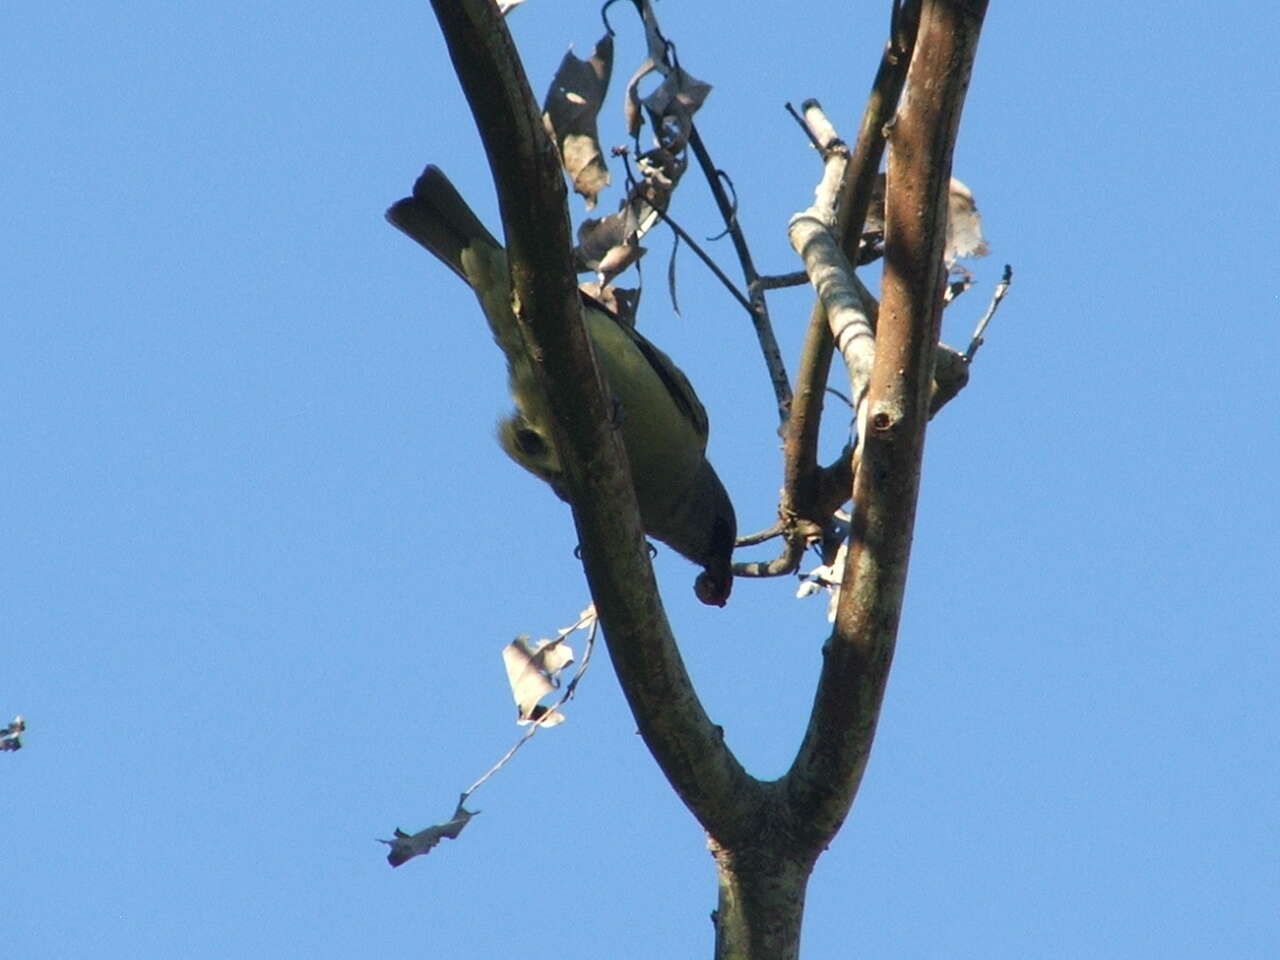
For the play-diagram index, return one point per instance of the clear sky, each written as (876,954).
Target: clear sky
(261,550)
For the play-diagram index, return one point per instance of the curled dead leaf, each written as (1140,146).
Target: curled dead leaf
(964,224)
(11,735)
(405,847)
(609,245)
(533,672)
(672,105)
(570,111)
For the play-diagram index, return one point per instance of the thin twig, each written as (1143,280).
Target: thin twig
(810,492)
(705,258)
(684,235)
(808,131)
(586,661)
(759,308)
(761,536)
(782,565)
(836,393)
(797,278)
(733,205)
(533,728)
(996,297)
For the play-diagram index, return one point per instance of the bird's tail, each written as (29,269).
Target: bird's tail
(437,217)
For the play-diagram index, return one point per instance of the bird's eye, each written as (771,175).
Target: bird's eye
(530,443)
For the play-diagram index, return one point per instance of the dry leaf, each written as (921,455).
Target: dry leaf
(407,846)
(964,225)
(11,736)
(672,106)
(572,106)
(828,577)
(611,244)
(632,114)
(533,672)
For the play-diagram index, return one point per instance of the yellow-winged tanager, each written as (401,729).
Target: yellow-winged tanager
(664,426)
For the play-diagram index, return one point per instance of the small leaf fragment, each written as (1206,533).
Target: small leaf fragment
(964,224)
(11,735)
(407,846)
(828,577)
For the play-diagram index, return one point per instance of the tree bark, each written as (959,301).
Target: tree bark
(761,904)
(828,768)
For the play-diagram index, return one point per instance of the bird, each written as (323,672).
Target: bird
(664,426)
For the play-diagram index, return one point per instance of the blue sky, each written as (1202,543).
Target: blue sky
(262,551)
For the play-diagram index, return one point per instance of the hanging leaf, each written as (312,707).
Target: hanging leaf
(533,672)
(964,225)
(672,106)
(407,846)
(632,113)
(570,111)
(610,244)
(11,735)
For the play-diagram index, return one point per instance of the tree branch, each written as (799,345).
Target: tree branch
(758,306)
(825,775)
(802,506)
(531,192)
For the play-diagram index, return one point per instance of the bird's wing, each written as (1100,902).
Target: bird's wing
(677,384)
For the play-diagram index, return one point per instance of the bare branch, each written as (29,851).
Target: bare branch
(996,299)
(950,376)
(782,565)
(675,727)
(702,255)
(768,533)
(804,483)
(828,767)
(759,309)
(848,305)
(797,278)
